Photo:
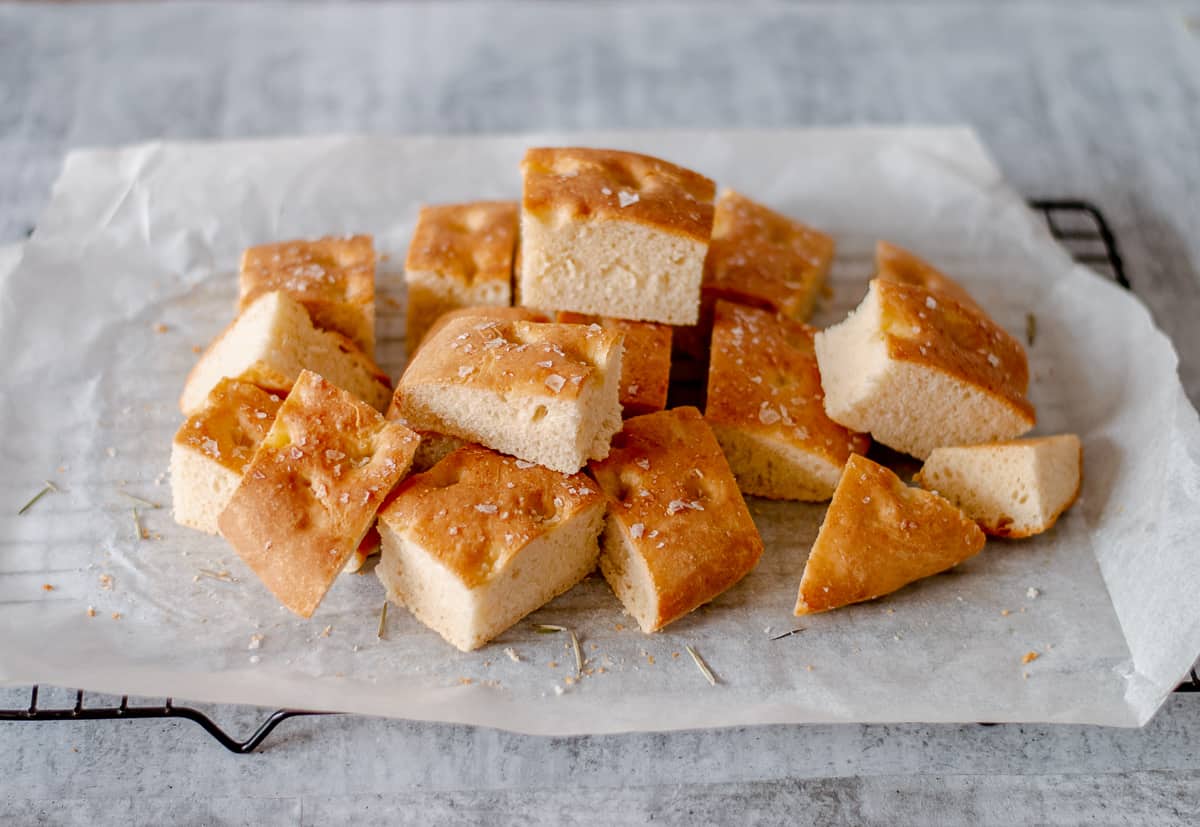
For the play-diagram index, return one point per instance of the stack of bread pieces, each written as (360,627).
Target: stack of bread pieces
(529,440)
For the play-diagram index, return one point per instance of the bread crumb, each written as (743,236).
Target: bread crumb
(326,631)
(674,654)
(809,668)
(91,611)
(553,664)
(106,582)
(159,327)
(1005,612)
(569,680)
(620,627)
(558,690)
(650,659)
(1029,657)
(46,587)
(116,615)
(466,681)
(1032,593)
(255,658)
(255,641)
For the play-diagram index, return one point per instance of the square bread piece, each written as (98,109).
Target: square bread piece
(547,393)
(213,447)
(678,531)
(481,540)
(917,370)
(645,362)
(893,263)
(1012,489)
(270,343)
(460,255)
(498,314)
(878,536)
(765,405)
(334,278)
(310,493)
(613,233)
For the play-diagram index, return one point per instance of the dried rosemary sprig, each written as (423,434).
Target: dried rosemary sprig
(788,634)
(381,632)
(222,575)
(138,531)
(46,489)
(547,629)
(142,500)
(704,670)
(1030,328)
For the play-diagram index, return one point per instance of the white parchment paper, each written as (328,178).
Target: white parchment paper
(150,235)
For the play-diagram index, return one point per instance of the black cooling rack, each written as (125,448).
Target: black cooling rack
(1078,225)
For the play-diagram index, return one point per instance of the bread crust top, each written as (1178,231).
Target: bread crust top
(577,183)
(476,509)
(764,258)
(524,358)
(471,243)
(894,263)
(332,269)
(879,535)
(671,491)
(312,488)
(231,425)
(929,328)
(645,364)
(496,313)
(763,378)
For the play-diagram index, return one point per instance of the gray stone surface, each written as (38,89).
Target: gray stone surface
(1092,100)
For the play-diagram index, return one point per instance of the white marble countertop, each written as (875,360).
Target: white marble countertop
(1093,100)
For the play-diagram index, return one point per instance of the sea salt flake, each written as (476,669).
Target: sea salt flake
(486,508)
(636,530)
(642,463)
(546,364)
(627,198)
(523,464)
(1032,593)
(255,642)
(555,382)
(606,190)
(993,360)
(465,371)
(767,415)
(930,302)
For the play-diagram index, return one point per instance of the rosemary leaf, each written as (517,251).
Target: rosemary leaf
(381,632)
(46,489)
(701,665)
(1030,328)
(547,629)
(788,634)
(138,531)
(137,499)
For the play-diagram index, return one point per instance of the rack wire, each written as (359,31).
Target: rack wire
(1078,225)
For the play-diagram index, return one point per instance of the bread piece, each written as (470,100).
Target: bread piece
(613,233)
(645,362)
(896,264)
(212,448)
(918,370)
(481,540)
(678,532)
(311,491)
(334,278)
(499,314)
(1012,489)
(880,535)
(460,255)
(270,343)
(765,407)
(547,393)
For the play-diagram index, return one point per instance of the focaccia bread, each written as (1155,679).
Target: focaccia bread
(334,278)
(498,314)
(878,536)
(312,489)
(212,448)
(893,263)
(270,343)
(645,363)
(547,393)
(613,233)
(678,531)
(917,370)
(765,405)
(460,255)
(481,540)
(1012,489)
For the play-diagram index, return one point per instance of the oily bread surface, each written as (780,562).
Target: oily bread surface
(671,491)
(894,263)
(232,423)
(880,535)
(576,183)
(469,243)
(645,364)
(476,509)
(312,489)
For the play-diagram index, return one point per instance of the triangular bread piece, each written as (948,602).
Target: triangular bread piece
(880,535)
(1012,489)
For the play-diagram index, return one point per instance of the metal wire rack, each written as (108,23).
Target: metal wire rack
(1078,225)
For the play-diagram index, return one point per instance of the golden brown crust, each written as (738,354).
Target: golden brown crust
(880,535)
(763,379)
(234,420)
(893,263)
(645,364)
(312,489)
(671,491)
(764,259)
(524,358)
(334,278)
(499,314)
(470,243)
(935,330)
(477,509)
(576,183)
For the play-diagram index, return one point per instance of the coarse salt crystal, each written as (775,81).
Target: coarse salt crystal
(546,364)
(211,447)
(606,190)
(627,198)
(636,530)
(993,360)
(555,382)
(643,463)
(632,390)
(523,464)
(1032,593)
(767,415)
(465,371)
(255,642)
(486,508)
(930,302)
